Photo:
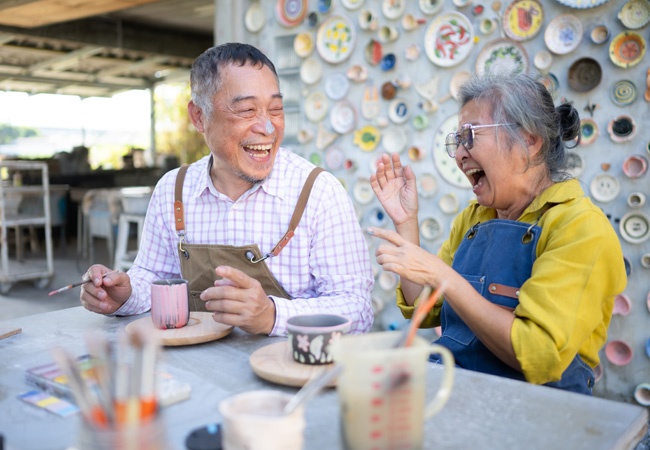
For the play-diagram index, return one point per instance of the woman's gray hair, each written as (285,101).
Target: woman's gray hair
(205,77)
(523,101)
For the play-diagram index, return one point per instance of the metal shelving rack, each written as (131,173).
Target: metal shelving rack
(12,271)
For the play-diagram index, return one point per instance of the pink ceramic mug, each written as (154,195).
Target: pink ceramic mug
(169,303)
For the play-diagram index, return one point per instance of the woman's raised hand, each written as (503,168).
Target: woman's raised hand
(395,189)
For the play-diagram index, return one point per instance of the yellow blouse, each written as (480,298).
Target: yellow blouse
(566,305)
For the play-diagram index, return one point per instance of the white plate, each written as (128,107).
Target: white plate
(311,70)
(362,191)
(582,4)
(334,158)
(427,185)
(255,17)
(543,60)
(502,56)
(635,14)
(394,140)
(387,281)
(575,164)
(335,39)
(393,9)
(431,228)
(449,39)
(449,203)
(604,187)
(303,44)
(634,227)
(398,111)
(316,105)
(563,34)
(430,7)
(352,4)
(343,117)
(336,86)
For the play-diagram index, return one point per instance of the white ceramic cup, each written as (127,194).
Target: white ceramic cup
(255,420)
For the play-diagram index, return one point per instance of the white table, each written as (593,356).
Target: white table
(484,412)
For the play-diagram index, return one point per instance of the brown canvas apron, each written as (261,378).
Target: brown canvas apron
(199,261)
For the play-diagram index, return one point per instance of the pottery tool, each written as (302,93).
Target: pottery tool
(9,331)
(421,311)
(74,285)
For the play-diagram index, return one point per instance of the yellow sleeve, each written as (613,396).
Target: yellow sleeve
(566,306)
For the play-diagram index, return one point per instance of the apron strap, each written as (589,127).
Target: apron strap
(179,216)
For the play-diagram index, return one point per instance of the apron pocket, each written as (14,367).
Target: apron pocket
(454,328)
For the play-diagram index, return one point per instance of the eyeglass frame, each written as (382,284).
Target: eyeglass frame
(467,143)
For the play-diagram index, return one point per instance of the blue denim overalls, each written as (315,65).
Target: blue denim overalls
(496,258)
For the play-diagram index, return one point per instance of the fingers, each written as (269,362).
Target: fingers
(387,235)
(234,277)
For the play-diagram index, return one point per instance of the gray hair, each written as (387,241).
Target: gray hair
(205,77)
(526,103)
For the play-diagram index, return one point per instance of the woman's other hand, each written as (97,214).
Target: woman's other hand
(396,190)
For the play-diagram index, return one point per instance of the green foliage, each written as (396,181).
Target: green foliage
(9,133)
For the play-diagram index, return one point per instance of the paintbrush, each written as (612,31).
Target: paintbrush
(74,285)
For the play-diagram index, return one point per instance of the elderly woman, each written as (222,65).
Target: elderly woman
(531,268)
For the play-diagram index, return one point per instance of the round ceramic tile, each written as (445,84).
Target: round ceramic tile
(449,203)
(336,38)
(427,185)
(336,86)
(334,158)
(604,187)
(255,18)
(431,228)
(449,39)
(393,9)
(584,74)
(623,92)
(627,49)
(588,131)
(316,105)
(430,7)
(563,34)
(303,44)
(634,227)
(362,191)
(394,139)
(367,138)
(398,111)
(311,70)
(502,56)
(523,19)
(343,117)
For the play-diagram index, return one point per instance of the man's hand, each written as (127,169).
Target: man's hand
(239,300)
(104,294)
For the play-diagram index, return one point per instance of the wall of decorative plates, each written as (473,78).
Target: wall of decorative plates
(365,77)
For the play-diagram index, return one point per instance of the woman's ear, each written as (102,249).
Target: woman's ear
(196,116)
(534,143)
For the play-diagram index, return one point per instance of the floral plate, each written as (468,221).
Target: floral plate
(449,39)
(336,38)
(523,19)
(563,34)
(502,56)
(627,49)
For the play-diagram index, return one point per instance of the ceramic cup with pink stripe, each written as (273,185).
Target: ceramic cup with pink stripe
(169,303)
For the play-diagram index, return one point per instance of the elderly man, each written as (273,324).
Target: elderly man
(235,225)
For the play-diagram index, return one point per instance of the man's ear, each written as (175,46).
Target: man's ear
(196,116)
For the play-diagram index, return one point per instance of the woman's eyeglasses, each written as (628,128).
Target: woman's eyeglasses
(465,137)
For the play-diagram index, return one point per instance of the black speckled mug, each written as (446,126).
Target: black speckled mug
(311,336)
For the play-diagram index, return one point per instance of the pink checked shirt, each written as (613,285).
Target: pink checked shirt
(325,268)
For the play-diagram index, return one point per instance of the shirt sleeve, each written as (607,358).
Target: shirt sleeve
(339,262)
(565,307)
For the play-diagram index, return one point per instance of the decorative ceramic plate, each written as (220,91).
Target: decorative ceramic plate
(362,191)
(335,39)
(255,17)
(334,158)
(627,49)
(303,44)
(373,52)
(431,228)
(291,12)
(445,165)
(316,106)
(343,117)
(336,86)
(604,187)
(449,203)
(367,138)
(584,74)
(394,140)
(634,227)
(430,7)
(563,34)
(523,19)
(622,128)
(575,165)
(582,4)
(623,92)
(543,60)
(502,56)
(449,39)
(352,4)
(398,111)
(427,185)
(393,9)
(635,14)
(588,131)
(311,70)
